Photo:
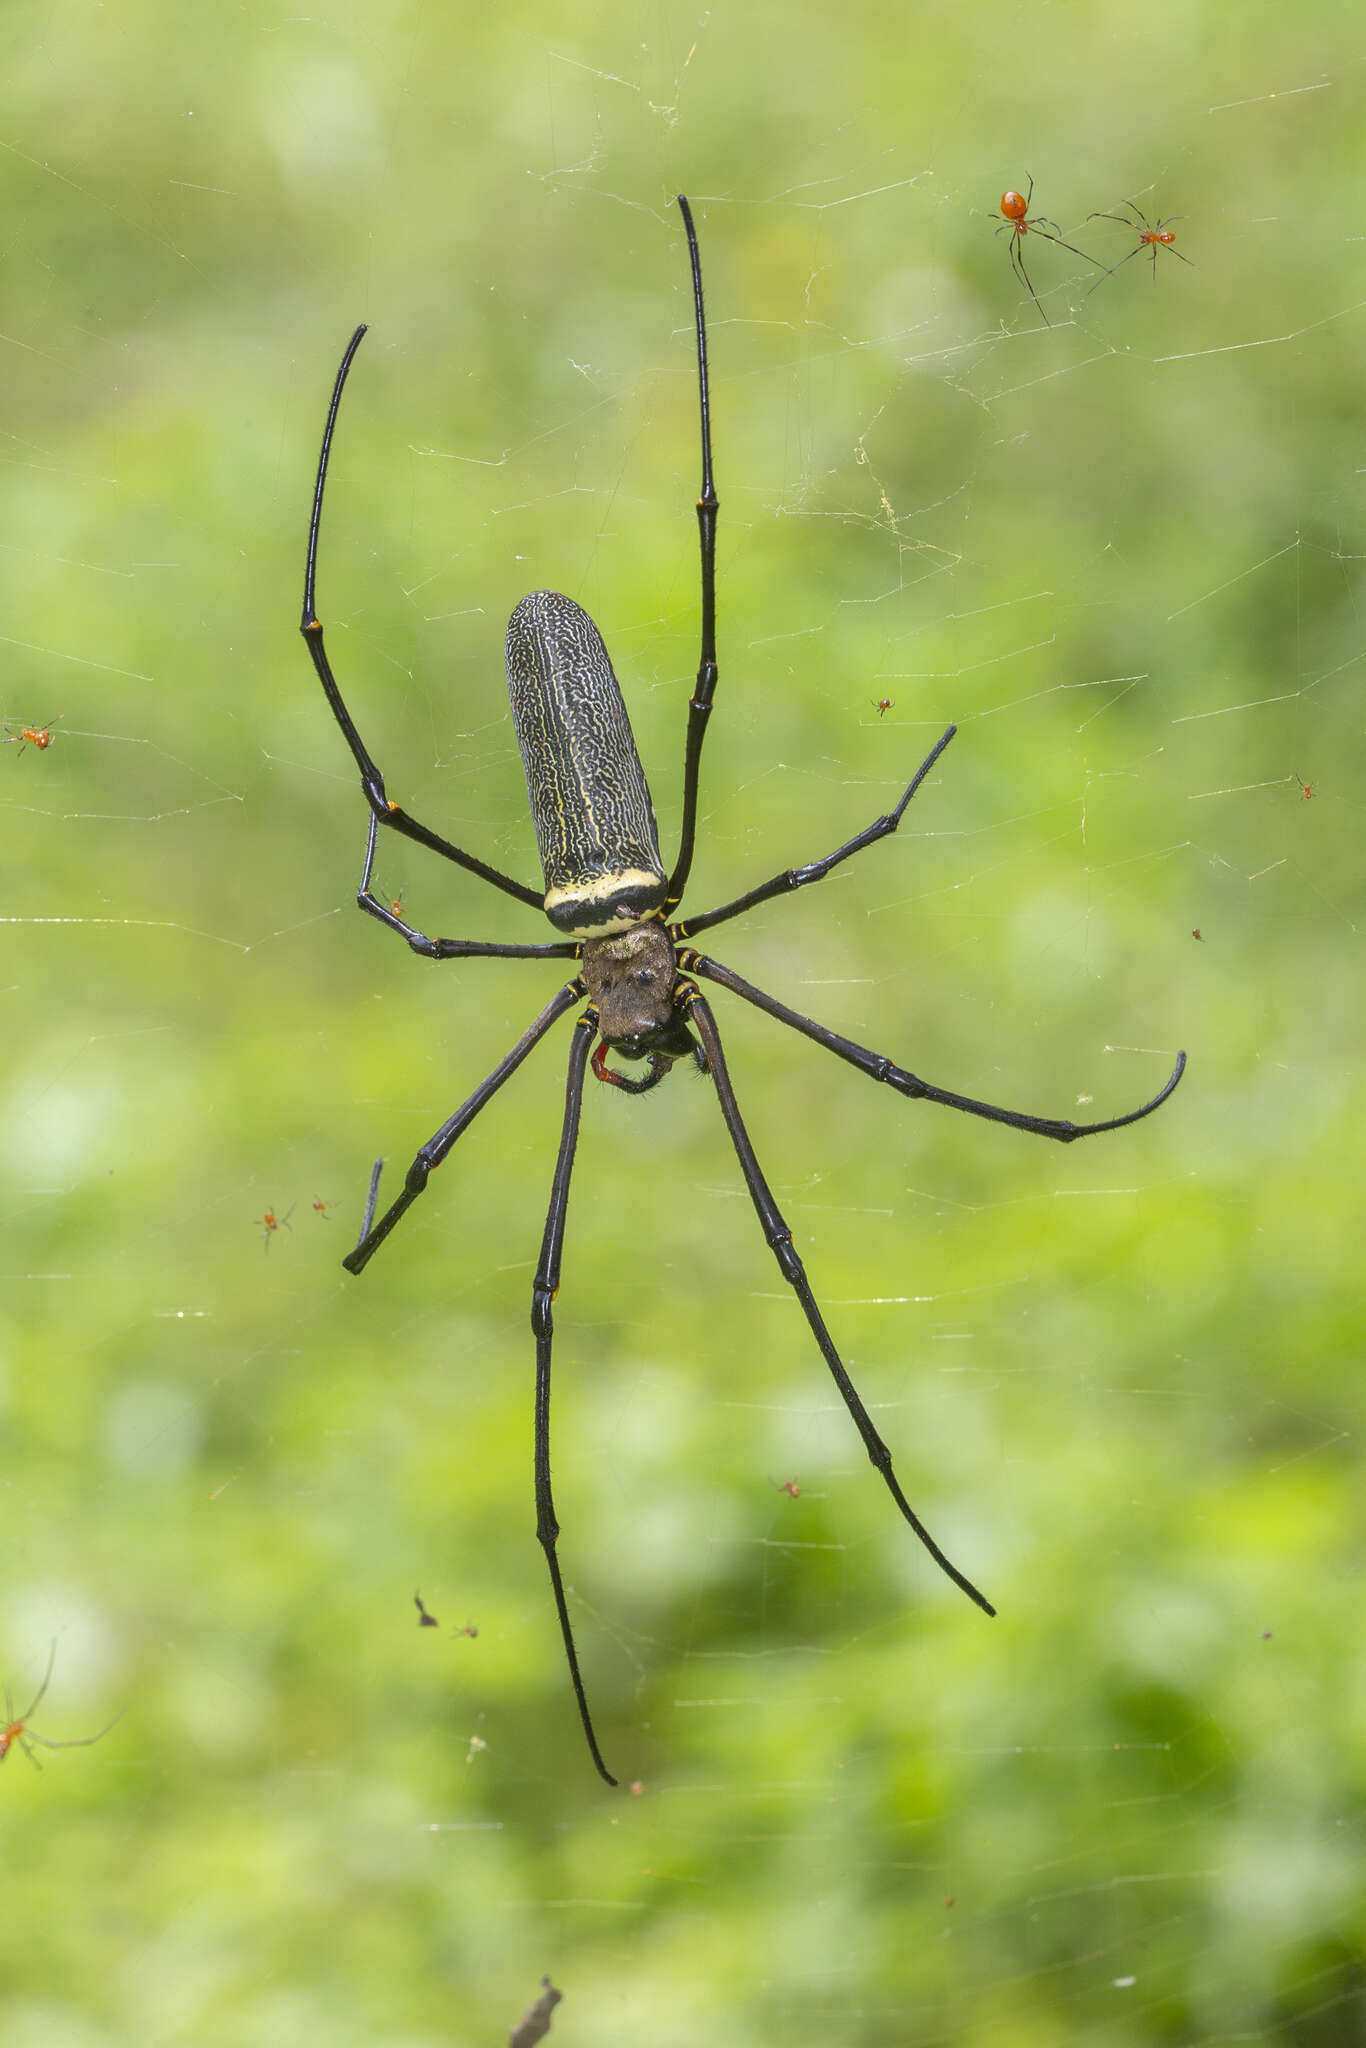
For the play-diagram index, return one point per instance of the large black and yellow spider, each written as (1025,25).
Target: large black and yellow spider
(607,890)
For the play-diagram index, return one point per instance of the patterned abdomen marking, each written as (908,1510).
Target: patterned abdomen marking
(590,804)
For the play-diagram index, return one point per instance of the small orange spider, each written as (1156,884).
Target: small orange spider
(1150,238)
(1015,209)
(882,705)
(322,1208)
(16,1727)
(789,1487)
(271,1223)
(1306,788)
(40,736)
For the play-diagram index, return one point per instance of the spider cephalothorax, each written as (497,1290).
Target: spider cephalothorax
(607,893)
(632,982)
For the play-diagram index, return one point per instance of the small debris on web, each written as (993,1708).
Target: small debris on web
(535,2023)
(424,1620)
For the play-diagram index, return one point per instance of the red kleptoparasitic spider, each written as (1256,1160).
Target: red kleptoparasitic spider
(1015,208)
(1149,237)
(40,736)
(16,1727)
(271,1223)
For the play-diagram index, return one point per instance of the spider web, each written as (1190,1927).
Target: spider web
(1115,536)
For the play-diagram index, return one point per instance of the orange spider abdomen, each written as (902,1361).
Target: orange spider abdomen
(1014,205)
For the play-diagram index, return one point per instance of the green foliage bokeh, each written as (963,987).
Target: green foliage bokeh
(1121,1381)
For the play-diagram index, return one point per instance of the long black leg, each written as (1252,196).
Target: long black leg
(797,878)
(372,782)
(448,949)
(439,1144)
(779,1239)
(543,1294)
(879,1068)
(708,505)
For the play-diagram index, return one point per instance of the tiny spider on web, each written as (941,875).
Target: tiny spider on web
(16,1726)
(270,1223)
(1019,223)
(1149,237)
(40,736)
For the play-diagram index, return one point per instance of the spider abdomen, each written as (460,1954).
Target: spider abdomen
(590,803)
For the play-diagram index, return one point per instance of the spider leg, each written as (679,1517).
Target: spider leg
(447,949)
(817,870)
(439,1144)
(779,1239)
(879,1068)
(1137,250)
(1017,263)
(543,1294)
(1058,241)
(708,506)
(372,782)
(73,1742)
(47,1680)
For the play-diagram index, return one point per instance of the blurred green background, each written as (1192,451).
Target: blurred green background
(1121,1381)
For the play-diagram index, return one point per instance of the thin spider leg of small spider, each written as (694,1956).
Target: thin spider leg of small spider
(1122,220)
(879,1068)
(372,782)
(1137,250)
(708,506)
(448,949)
(1017,264)
(27,1735)
(47,1680)
(1094,261)
(72,1741)
(779,1240)
(543,1294)
(817,870)
(430,1155)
